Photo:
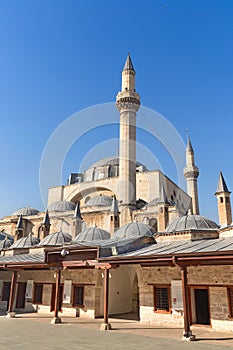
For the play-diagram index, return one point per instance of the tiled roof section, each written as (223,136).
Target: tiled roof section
(185,246)
(23,258)
(222,186)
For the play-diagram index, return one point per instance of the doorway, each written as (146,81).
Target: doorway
(52,304)
(6,292)
(20,299)
(200,313)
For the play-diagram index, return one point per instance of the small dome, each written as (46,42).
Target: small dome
(191,222)
(156,201)
(25,242)
(100,200)
(6,243)
(92,234)
(57,238)
(26,211)
(133,229)
(61,206)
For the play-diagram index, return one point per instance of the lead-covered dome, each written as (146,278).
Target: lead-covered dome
(61,206)
(6,243)
(26,211)
(56,238)
(92,234)
(133,230)
(26,242)
(100,200)
(105,168)
(191,222)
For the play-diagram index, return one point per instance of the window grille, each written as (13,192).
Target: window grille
(162,298)
(78,296)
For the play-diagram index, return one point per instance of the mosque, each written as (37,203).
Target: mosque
(121,239)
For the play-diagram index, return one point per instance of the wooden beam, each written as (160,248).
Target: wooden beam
(106,326)
(187,331)
(12,294)
(57,319)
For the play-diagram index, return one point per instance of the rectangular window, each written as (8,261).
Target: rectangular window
(38,293)
(6,291)
(162,299)
(78,296)
(230,299)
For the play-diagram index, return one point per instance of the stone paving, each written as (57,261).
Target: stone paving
(34,332)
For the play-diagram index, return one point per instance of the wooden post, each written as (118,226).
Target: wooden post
(10,312)
(187,335)
(106,326)
(57,319)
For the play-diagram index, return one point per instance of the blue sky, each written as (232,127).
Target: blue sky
(60,56)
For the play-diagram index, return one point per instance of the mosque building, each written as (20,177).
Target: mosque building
(120,239)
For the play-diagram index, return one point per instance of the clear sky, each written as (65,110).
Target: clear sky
(60,56)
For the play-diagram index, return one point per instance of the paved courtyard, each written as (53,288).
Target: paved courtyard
(33,332)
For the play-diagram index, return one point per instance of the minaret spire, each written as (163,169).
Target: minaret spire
(191,173)
(224,202)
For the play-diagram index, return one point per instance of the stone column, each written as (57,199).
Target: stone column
(57,319)
(11,312)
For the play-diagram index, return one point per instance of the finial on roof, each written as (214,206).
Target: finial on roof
(46,220)
(77,212)
(222,186)
(114,207)
(128,64)
(163,196)
(19,225)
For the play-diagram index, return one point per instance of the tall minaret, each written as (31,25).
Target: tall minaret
(191,173)
(224,202)
(128,103)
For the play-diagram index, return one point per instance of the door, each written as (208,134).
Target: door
(202,306)
(20,298)
(6,292)
(52,305)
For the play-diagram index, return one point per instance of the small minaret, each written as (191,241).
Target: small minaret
(77,221)
(45,227)
(224,202)
(163,205)
(114,216)
(127,103)
(19,230)
(191,173)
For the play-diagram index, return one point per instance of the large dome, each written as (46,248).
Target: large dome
(109,161)
(26,211)
(100,200)
(92,234)
(57,238)
(25,242)
(61,206)
(133,230)
(105,168)
(191,222)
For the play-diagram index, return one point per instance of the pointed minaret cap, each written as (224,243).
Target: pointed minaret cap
(46,220)
(19,225)
(77,212)
(222,186)
(163,196)
(189,147)
(128,64)
(114,207)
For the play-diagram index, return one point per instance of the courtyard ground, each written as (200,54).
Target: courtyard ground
(34,332)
